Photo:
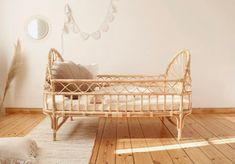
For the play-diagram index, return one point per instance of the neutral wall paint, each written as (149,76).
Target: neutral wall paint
(142,39)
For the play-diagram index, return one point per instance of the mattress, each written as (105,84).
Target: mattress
(115,103)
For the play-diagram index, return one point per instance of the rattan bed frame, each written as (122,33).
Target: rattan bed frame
(167,95)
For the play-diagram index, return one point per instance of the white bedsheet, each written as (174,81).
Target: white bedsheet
(132,103)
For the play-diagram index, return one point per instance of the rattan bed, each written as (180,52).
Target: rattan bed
(167,95)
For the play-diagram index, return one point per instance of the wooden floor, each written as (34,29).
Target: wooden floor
(18,125)
(206,139)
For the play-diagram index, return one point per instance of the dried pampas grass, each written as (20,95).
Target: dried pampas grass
(14,68)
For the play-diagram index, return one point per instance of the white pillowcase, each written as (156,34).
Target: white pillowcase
(18,150)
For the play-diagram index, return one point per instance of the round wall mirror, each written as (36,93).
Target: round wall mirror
(37,28)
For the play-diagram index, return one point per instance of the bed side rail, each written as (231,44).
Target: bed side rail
(116,96)
(131,77)
(73,86)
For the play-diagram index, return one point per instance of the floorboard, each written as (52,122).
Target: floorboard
(98,140)
(190,138)
(153,139)
(108,142)
(170,143)
(18,125)
(215,132)
(207,138)
(123,143)
(138,141)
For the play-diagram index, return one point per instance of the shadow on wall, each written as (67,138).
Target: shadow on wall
(19,82)
(3,70)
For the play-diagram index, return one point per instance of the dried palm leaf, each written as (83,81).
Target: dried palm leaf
(14,68)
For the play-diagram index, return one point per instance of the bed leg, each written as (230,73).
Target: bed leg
(54,135)
(179,126)
(179,134)
(51,122)
(71,118)
(54,127)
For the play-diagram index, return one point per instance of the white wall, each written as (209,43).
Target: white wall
(142,39)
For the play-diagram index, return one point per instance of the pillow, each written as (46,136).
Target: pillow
(18,150)
(93,69)
(70,70)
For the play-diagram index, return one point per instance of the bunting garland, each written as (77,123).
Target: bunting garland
(70,24)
